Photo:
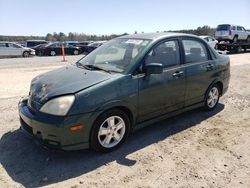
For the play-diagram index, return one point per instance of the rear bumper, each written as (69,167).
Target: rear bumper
(225,37)
(53,131)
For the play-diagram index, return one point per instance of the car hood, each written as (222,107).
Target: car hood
(28,49)
(66,80)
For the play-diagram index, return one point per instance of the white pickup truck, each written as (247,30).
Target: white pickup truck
(232,33)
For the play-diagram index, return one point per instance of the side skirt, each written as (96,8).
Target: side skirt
(165,116)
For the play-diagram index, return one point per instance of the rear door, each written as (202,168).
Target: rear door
(200,69)
(162,93)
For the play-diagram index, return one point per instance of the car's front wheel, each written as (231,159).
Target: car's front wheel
(212,97)
(110,130)
(52,53)
(26,54)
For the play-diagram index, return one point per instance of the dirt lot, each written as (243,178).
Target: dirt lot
(195,149)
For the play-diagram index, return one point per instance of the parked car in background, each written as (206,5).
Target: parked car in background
(210,40)
(232,33)
(56,49)
(10,49)
(83,45)
(72,43)
(32,43)
(125,84)
(93,46)
(85,42)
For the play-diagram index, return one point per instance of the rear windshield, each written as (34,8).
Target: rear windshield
(223,27)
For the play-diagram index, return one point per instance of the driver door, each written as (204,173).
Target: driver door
(165,92)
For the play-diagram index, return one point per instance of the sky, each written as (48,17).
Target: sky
(37,18)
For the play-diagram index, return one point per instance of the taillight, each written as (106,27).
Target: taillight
(230,32)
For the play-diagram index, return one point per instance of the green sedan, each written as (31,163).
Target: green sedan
(127,83)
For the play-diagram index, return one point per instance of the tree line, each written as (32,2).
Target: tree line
(205,30)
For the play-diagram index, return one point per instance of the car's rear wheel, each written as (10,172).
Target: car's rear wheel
(26,54)
(110,130)
(212,97)
(75,52)
(52,53)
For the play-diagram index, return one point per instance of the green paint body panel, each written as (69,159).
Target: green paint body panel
(147,98)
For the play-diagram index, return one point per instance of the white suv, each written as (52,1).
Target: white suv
(232,33)
(8,49)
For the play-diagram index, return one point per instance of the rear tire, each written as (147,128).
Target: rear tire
(109,131)
(212,97)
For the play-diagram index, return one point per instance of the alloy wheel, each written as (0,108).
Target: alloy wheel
(213,97)
(111,132)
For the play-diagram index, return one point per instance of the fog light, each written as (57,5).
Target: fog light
(76,127)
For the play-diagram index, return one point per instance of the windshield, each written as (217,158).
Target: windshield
(223,27)
(116,55)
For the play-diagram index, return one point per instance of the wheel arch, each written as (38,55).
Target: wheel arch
(123,108)
(215,82)
(25,51)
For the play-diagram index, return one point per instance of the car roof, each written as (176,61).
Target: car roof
(231,25)
(7,42)
(204,36)
(155,36)
(36,41)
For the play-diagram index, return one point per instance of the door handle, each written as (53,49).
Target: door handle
(178,74)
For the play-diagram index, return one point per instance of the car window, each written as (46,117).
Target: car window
(112,54)
(54,45)
(233,28)
(167,54)
(2,45)
(224,27)
(238,28)
(117,55)
(206,39)
(195,51)
(11,45)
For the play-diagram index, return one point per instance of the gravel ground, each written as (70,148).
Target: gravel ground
(194,149)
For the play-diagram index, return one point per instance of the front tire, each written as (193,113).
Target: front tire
(110,130)
(53,53)
(212,97)
(26,54)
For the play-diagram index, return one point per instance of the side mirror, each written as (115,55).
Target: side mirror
(154,68)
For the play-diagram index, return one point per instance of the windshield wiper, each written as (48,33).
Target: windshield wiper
(93,67)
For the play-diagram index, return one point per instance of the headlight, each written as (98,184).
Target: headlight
(58,106)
